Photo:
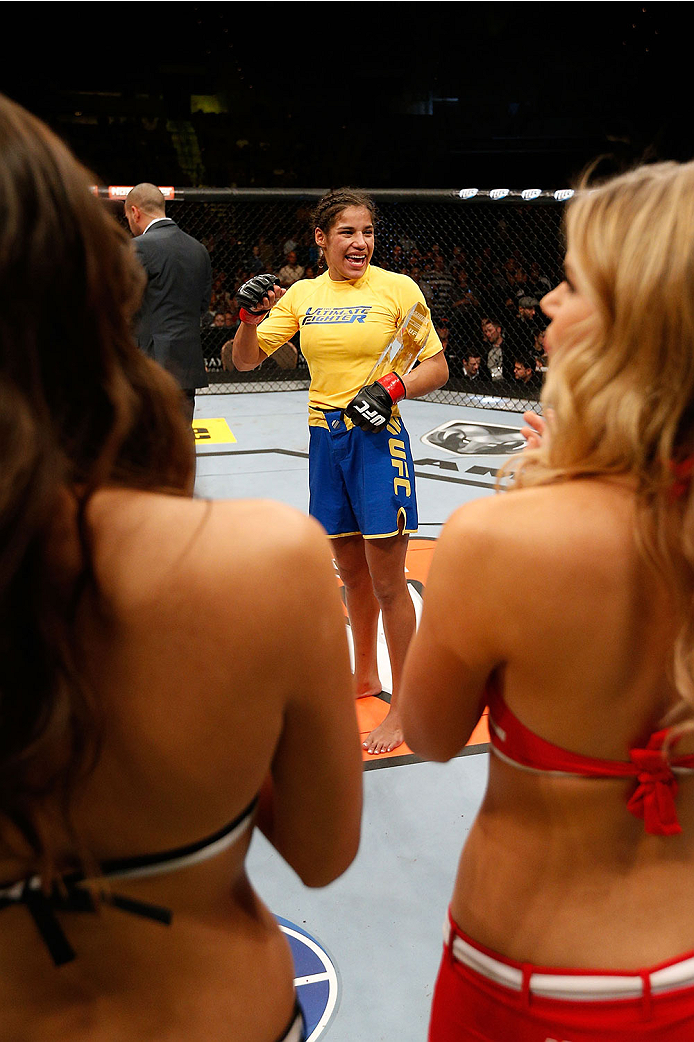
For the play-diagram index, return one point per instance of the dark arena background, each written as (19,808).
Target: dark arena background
(470,124)
(249,117)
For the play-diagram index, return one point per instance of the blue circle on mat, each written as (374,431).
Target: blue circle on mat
(315,978)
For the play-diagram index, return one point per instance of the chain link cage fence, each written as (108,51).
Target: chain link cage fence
(482,258)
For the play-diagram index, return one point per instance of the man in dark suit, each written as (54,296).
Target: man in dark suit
(476,377)
(179,286)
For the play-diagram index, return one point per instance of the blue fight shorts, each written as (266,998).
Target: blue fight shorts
(361,482)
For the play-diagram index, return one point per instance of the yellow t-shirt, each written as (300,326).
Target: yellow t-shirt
(344,326)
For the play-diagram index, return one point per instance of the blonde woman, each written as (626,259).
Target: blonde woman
(165,664)
(566,605)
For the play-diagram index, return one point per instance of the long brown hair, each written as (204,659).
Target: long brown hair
(80,407)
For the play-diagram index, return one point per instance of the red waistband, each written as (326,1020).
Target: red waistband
(574,985)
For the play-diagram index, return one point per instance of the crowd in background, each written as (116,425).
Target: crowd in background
(484,303)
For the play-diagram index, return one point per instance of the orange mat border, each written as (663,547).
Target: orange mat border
(372,710)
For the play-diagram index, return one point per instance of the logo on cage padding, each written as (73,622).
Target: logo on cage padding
(475,439)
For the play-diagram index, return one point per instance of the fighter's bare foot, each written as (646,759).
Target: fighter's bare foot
(386,737)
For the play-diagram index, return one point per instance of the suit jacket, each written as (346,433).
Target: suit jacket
(179,286)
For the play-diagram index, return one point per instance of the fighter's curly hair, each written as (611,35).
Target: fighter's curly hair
(80,406)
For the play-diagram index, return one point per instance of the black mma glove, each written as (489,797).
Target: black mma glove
(371,408)
(250,297)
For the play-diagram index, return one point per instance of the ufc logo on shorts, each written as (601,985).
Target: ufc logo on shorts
(398,459)
(372,415)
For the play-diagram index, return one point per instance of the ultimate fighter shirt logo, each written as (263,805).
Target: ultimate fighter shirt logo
(336,316)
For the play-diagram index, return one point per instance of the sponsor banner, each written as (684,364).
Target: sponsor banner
(120,191)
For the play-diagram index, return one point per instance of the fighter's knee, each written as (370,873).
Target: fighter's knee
(354,578)
(389,591)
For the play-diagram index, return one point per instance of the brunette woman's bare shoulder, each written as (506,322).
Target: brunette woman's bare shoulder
(263,539)
(150,542)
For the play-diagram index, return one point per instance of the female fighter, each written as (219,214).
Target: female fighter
(155,702)
(361,475)
(565,605)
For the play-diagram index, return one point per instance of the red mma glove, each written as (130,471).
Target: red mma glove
(371,408)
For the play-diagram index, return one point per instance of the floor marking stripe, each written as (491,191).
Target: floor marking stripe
(304,455)
(312,978)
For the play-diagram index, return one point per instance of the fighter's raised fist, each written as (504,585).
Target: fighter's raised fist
(253,299)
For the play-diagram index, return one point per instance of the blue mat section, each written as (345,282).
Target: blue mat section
(317,997)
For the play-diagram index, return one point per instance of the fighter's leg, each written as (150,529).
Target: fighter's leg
(386,563)
(362,608)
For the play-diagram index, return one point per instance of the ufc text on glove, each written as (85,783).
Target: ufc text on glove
(371,408)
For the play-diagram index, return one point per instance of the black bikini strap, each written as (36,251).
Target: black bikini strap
(70,896)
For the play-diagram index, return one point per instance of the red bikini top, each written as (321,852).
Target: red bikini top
(653,798)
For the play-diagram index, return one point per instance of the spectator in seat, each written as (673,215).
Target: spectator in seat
(538,283)
(527,378)
(291,272)
(464,296)
(207,319)
(475,374)
(540,352)
(267,253)
(439,288)
(496,351)
(256,265)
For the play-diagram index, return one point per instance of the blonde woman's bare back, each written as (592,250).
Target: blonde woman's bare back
(545,590)
(220,658)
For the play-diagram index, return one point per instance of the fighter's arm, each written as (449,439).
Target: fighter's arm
(428,376)
(246,353)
